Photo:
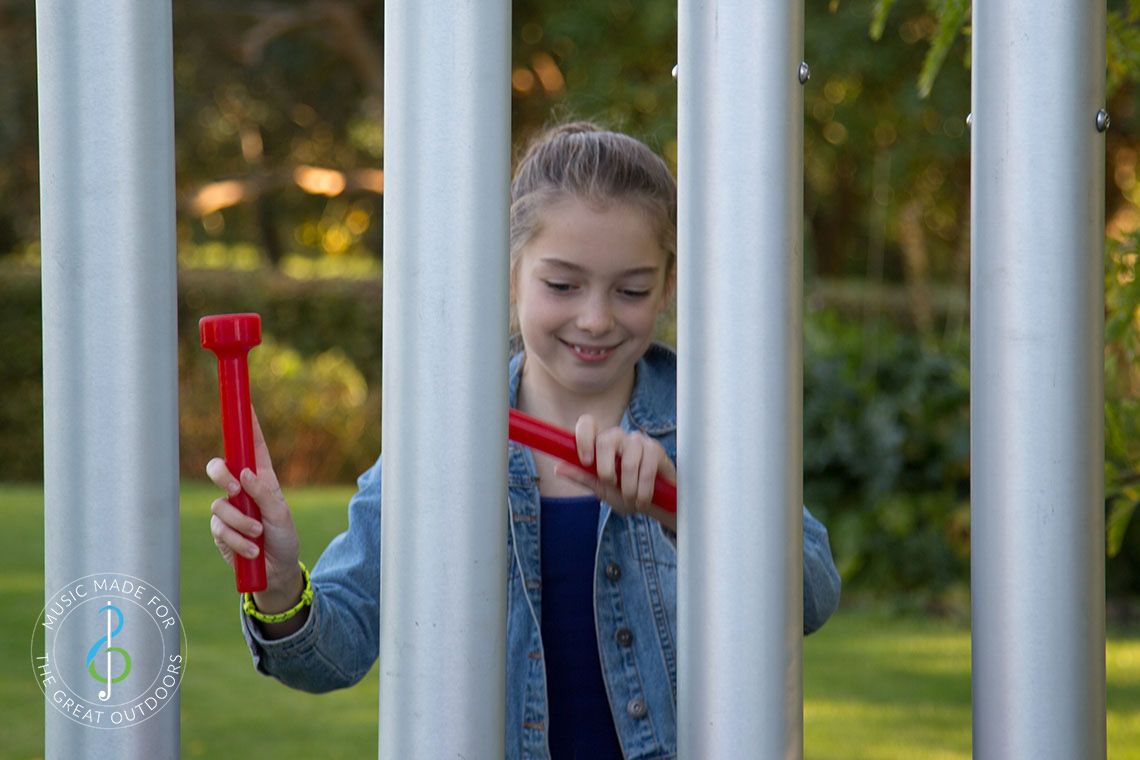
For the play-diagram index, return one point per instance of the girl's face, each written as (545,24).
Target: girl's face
(588,289)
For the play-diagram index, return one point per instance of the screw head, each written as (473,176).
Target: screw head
(675,67)
(1103,122)
(969,120)
(805,72)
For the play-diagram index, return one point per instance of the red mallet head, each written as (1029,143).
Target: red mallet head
(230,333)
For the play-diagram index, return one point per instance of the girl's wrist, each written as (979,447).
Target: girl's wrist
(282,596)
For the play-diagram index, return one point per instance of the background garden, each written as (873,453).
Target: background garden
(279,139)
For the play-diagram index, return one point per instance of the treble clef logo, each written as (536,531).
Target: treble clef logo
(105,694)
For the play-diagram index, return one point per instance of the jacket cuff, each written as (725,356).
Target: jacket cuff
(261,649)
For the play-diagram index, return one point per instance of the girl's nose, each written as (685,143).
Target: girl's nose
(596,317)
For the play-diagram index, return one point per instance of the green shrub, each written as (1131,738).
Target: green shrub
(886,417)
(319,417)
(886,456)
(310,316)
(316,379)
(21,375)
(1122,415)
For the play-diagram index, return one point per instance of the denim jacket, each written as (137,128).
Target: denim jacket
(635,596)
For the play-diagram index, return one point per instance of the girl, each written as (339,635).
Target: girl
(591,649)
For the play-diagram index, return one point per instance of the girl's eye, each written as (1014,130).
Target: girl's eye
(559,287)
(635,293)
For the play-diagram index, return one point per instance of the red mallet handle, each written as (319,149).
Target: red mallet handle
(230,336)
(544,437)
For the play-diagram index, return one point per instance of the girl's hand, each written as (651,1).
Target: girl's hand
(282,550)
(628,490)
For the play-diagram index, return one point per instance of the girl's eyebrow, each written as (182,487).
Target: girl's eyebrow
(571,266)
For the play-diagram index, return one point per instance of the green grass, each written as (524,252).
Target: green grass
(876,687)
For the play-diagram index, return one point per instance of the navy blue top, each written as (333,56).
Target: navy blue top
(580,724)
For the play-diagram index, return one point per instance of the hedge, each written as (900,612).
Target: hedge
(316,378)
(886,417)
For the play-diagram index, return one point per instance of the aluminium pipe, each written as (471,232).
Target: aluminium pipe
(106,120)
(740,332)
(444,428)
(1037,353)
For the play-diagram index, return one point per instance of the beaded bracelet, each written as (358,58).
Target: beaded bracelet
(306,599)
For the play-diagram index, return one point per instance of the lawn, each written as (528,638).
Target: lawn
(876,687)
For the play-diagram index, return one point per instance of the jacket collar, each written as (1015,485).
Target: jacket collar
(653,404)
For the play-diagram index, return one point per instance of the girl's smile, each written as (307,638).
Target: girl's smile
(591,354)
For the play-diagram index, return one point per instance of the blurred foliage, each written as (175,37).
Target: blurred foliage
(21,378)
(270,95)
(315,380)
(316,377)
(279,150)
(279,124)
(886,413)
(1123,44)
(310,316)
(950,17)
(1122,412)
(887,455)
(318,412)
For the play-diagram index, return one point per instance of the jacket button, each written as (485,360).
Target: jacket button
(635,708)
(613,571)
(624,637)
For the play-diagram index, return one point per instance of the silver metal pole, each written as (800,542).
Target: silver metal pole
(1037,347)
(740,601)
(110,373)
(443,523)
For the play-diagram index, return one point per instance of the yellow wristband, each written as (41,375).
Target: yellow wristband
(250,608)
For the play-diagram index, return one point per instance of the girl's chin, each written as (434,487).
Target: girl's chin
(591,381)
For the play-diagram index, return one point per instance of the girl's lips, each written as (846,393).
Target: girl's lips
(590,353)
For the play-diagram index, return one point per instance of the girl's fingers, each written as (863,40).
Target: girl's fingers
(260,449)
(221,476)
(665,467)
(232,529)
(234,518)
(261,455)
(627,466)
(225,551)
(646,482)
(281,541)
(585,434)
(607,449)
(265,490)
(632,454)
(226,537)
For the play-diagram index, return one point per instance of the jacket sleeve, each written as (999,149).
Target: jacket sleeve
(821,578)
(341,638)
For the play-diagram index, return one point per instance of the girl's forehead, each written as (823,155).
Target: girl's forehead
(607,258)
(574,230)
(576,207)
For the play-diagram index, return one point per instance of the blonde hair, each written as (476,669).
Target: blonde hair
(582,160)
